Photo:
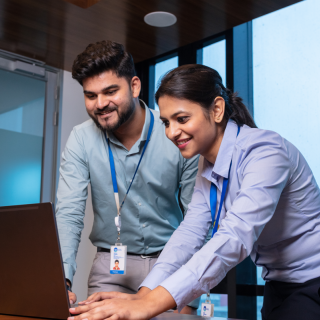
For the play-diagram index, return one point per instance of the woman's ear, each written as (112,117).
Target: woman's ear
(218,109)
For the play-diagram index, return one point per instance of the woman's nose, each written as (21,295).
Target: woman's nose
(173,131)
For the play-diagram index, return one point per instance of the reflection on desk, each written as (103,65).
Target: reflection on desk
(163,316)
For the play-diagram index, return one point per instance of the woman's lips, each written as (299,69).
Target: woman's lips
(183,143)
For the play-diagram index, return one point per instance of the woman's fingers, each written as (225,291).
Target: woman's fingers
(94,311)
(84,308)
(94,297)
(114,317)
(114,309)
(108,295)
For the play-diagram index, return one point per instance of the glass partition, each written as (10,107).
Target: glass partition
(22,107)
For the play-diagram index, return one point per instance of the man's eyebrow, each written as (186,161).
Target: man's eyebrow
(112,86)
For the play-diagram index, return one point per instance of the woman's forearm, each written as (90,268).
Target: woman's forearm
(143,291)
(158,301)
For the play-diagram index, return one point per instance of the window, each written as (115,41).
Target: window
(161,68)
(286,80)
(214,56)
(286,76)
(27,131)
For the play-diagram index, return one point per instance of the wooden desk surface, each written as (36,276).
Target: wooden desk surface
(163,316)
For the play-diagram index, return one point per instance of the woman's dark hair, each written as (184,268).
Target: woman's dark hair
(103,56)
(202,85)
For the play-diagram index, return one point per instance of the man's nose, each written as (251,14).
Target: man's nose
(102,101)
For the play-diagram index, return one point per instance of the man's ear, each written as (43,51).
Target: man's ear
(135,87)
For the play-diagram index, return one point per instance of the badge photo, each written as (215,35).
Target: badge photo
(118,259)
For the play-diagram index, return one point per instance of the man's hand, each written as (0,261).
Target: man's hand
(72,297)
(152,304)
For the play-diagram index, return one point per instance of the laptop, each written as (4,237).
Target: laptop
(32,281)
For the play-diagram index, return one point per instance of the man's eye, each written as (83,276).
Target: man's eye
(112,92)
(90,96)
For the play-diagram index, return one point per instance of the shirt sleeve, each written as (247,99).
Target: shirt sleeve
(187,181)
(71,201)
(262,176)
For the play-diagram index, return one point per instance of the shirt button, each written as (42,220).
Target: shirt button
(143,225)
(139,204)
(147,247)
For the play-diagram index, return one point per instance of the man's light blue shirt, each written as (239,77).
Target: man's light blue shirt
(151,212)
(271,212)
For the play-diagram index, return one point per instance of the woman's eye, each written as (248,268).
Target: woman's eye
(166,123)
(182,119)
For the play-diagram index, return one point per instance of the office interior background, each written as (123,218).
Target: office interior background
(272,61)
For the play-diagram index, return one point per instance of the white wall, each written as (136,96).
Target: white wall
(73,112)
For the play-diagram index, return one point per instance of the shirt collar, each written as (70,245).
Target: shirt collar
(223,161)
(145,129)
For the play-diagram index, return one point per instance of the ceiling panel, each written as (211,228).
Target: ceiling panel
(55,31)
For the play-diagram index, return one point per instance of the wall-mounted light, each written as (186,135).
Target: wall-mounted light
(160,19)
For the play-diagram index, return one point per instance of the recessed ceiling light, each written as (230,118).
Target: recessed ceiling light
(160,19)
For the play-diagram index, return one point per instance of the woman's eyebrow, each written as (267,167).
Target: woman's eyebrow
(173,115)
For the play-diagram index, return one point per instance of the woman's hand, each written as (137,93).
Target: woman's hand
(117,309)
(99,296)
(150,305)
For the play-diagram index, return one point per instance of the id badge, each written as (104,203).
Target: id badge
(207,310)
(118,259)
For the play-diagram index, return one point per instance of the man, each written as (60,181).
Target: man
(118,133)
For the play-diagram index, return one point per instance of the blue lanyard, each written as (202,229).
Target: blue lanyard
(213,198)
(113,170)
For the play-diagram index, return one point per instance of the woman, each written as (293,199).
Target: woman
(252,183)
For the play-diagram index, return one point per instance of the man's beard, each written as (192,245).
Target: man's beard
(122,117)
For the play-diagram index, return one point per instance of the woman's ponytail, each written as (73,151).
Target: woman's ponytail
(238,112)
(202,85)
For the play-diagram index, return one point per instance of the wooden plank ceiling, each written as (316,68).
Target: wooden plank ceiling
(55,31)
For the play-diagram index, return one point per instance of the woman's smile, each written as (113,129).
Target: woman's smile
(182,143)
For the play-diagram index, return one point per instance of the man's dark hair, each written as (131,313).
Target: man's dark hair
(116,261)
(103,56)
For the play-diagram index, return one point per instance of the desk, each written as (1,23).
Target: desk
(163,316)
